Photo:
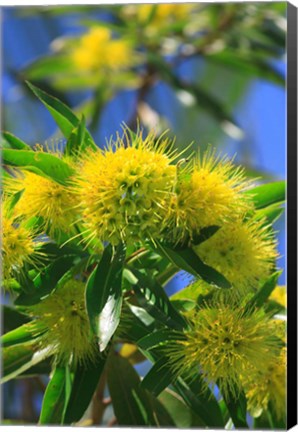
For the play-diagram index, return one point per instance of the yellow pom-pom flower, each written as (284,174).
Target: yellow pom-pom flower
(268,386)
(163,13)
(18,244)
(224,344)
(64,318)
(124,190)
(97,50)
(43,197)
(244,252)
(208,193)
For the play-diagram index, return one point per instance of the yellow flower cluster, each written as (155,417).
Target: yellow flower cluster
(138,189)
(268,386)
(97,50)
(162,13)
(18,244)
(225,343)
(63,316)
(124,190)
(42,197)
(209,192)
(244,252)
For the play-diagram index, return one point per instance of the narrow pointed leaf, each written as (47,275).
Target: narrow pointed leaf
(201,401)
(22,334)
(64,117)
(182,415)
(268,194)
(104,295)
(263,293)
(54,399)
(46,281)
(159,377)
(186,259)
(12,318)
(14,142)
(44,164)
(237,409)
(17,359)
(131,403)
(152,297)
(271,213)
(84,384)
(76,139)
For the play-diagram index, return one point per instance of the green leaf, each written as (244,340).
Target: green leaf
(159,377)
(204,234)
(44,164)
(237,409)
(203,98)
(104,294)
(182,415)
(20,358)
(46,281)
(14,142)
(75,142)
(47,66)
(134,327)
(246,63)
(263,293)
(85,381)
(22,334)
(158,338)
(268,194)
(270,213)
(162,416)
(131,404)
(152,297)
(183,305)
(201,401)
(54,400)
(186,259)
(64,117)
(12,318)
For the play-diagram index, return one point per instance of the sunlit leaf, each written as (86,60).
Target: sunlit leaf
(104,295)
(43,164)
(55,397)
(268,194)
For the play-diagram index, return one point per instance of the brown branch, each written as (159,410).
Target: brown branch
(99,404)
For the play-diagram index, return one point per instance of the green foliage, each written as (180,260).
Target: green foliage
(43,164)
(125,297)
(55,397)
(268,194)
(85,381)
(104,295)
(133,405)
(186,259)
(64,117)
